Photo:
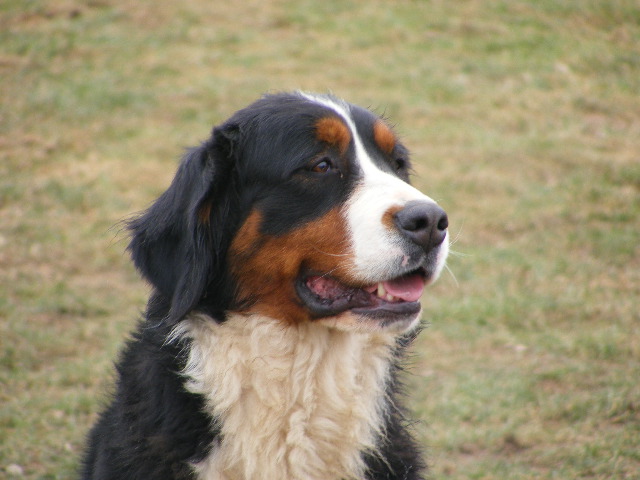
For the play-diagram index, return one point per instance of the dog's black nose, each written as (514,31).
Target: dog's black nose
(424,223)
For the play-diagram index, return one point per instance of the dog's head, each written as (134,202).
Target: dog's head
(298,207)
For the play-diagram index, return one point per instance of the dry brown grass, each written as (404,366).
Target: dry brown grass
(524,122)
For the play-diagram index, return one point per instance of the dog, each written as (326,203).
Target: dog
(287,260)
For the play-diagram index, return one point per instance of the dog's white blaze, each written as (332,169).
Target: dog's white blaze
(299,402)
(377,249)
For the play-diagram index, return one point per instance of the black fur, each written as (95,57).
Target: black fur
(153,428)
(172,247)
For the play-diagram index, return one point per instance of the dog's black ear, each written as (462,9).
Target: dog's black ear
(174,243)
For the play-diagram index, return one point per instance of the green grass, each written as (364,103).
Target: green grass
(524,122)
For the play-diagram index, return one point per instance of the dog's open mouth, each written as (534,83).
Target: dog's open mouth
(388,300)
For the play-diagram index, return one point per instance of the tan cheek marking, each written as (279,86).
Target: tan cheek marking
(266,267)
(248,237)
(204,212)
(333,131)
(384,136)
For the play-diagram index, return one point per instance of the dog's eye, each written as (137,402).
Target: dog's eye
(323,166)
(401,164)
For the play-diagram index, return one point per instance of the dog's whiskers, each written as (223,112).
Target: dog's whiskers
(455,240)
(455,280)
(340,244)
(329,272)
(331,254)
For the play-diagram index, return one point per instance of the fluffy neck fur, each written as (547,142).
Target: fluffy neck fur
(298,402)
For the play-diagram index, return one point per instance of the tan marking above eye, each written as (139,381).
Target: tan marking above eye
(384,137)
(333,131)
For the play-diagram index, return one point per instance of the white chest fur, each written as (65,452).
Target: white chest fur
(292,402)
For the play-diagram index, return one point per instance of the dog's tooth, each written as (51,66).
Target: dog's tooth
(382,292)
(391,298)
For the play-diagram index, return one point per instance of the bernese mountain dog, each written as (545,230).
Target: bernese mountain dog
(287,260)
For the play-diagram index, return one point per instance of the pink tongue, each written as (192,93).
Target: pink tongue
(407,288)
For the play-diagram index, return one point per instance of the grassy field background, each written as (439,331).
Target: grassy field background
(524,122)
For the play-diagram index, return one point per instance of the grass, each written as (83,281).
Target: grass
(523,118)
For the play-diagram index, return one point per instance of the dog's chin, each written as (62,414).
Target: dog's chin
(382,322)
